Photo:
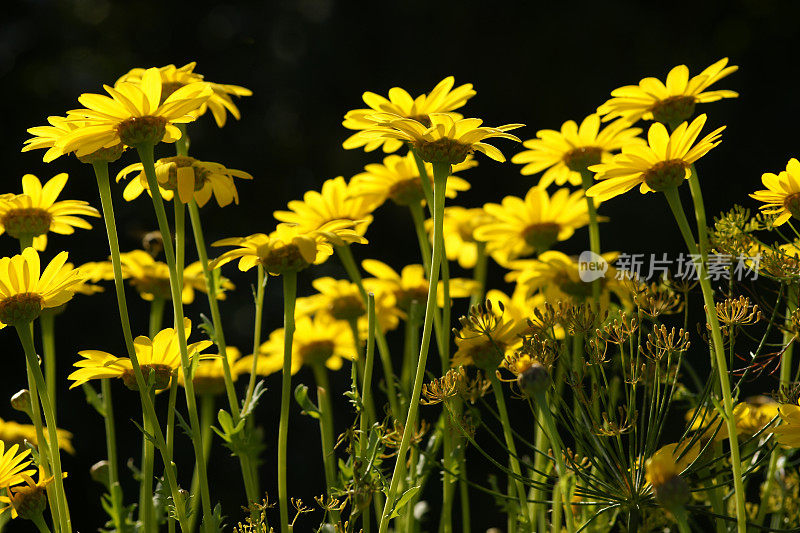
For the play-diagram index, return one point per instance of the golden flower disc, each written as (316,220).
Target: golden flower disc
(792,204)
(347,307)
(27,222)
(542,235)
(142,130)
(666,175)
(20,308)
(161,376)
(674,110)
(581,158)
(317,352)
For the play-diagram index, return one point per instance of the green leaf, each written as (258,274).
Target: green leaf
(403,500)
(309,408)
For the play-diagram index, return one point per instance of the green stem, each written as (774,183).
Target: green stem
(681,519)
(366,395)
(146,508)
(176,288)
(47,325)
(26,338)
(674,201)
(410,347)
(173,397)
(289,297)
(156,316)
(38,520)
(540,399)
(326,429)
(104,188)
(346,257)
(440,173)
(479,274)
(422,236)
(587,179)
(508,434)
(206,420)
(114,486)
(262,285)
(367,402)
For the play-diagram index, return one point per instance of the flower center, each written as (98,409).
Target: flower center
(443,151)
(673,110)
(487,355)
(581,158)
(792,204)
(407,192)
(316,352)
(109,155)
(155,285)
(27,222)
(347,307)
(405,297)
(665,175)
(161,376)
(21,308)
(542,235)
(141,130)
(283,259)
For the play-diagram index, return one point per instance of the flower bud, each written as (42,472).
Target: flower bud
(21,401)
(100,473)
(534,380)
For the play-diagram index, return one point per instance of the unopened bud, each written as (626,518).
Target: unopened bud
(534,380)
(100,473)
(21,401)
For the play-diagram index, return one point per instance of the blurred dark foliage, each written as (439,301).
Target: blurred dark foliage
(308,61)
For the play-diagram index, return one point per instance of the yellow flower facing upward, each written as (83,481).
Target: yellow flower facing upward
(398,179)
(150,278)
(671,103)
(447,139)
(35,212)
(341,299)
(172,78)
(788,433)
(782,194)
(15,433)
(160,356)
(29,499)
(317,341)
(287,248)
(13,465)
(209,376)
(191,178)
(459,225)
(25,290)
(51,138)
(661,165)
(442,99)
(491,332)
(335,202)
(564,154)
(523,226)
(135,114)
(410,284)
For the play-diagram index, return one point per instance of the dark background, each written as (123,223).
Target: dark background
(307,63)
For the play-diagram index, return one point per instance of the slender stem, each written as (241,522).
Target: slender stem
(367,402)
(171,402)
(540,399)
(176,288)
(47,325)
(26,338)
(101,173)
(508,434)
(180,238)
(326,430)
(38,520)
(114,486)
(479,274)
(211,289)
(440,173)
(156,316)
(410,347)
(422,236)
(346,257)
(366,395)
(717,345)
(681,519)
(587,179)
(289,297)
(262,285)
(206,420)
(146,507)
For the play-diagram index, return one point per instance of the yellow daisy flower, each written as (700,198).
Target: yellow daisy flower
(172,79)
(28,500)
(556,276)
(564,154)
(459,225)
(671,103)
(447,139)
(521,227)
(134,115)
(13,465)
(398,179)
(788,433)
(150,278)
(209,376)
(661,165)
(491,334)
(668,462)
(190,177)
(287,248)
(317,340)
(36,212)
(24,292)
(50,138)
(782,194)
(411,284)
(335,202)
(442,99)
(14,433)
(161,355)
(341,299)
